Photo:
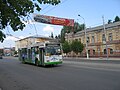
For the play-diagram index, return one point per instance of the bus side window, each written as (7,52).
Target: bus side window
(43,49)
(36,50)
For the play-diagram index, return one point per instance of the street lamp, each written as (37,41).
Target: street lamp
(85,37)
(105,36)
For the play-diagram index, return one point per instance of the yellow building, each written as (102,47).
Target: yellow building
(26,42)
(97,37)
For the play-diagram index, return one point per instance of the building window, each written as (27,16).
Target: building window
(105,52)
(111,51)
(36,50)
(110,37)
(103,37)
(93,39)
(88,40)
(93,52)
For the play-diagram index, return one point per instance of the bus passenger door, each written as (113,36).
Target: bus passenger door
(19,54)
(41,55)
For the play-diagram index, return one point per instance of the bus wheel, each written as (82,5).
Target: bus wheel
(36,62)
(43,65)
(23,61)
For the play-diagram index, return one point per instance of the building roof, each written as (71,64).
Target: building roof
(36,36)
(101,27)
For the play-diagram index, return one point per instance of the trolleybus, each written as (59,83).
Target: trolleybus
(42,53)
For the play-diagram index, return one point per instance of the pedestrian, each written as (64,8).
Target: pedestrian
(23,57)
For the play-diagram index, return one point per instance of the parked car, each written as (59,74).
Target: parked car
(16,55)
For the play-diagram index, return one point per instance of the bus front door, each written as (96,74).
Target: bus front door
(41,56)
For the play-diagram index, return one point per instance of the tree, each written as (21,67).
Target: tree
(13,12)
(62,36)
(78,27)
(15,52)
(67,29)
(52,35)
(56,37)
(66,47)
(109,21)
(59,36)
(1,51)
(117,19)
(77,46)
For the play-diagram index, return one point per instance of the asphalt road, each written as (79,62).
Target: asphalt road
(71,75)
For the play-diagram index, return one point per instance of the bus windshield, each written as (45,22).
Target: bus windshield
(53,50)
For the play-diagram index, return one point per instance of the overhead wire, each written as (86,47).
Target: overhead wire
(55,7)
(34,26)
(45,13)
(93,25)
(45,7)
(9,34)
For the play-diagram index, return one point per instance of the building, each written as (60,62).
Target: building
(7,51)
(31,40)
(97,38)
(1,51)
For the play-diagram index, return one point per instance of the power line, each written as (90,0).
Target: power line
(45,7)
(93,25)
(13,36)
(55,7)
(34,26)
(45,13)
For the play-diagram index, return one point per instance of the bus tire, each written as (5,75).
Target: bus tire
(36,62)
(23,61)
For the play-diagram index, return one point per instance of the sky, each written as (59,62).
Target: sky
(91,10)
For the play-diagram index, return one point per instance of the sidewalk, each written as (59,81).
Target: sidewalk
(99,58)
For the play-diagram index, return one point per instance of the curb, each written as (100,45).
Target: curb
(118,59)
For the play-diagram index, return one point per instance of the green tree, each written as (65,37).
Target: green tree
(117,19)
(66,47)
(78,27)
(77,46)
(15,52)
(62,39)
(56,37)
(52,35)
(1,51)
(66,29)
(109,21)
(59,36)
(13,12)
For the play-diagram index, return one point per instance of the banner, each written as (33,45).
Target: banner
(54,20)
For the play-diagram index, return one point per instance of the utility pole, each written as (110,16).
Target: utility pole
(85,37)
(105,32)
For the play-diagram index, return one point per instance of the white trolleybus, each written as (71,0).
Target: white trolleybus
(47,53)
